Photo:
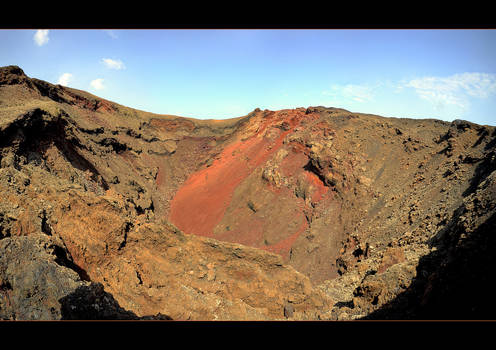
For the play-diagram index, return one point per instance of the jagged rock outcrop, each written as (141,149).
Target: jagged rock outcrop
(39,281)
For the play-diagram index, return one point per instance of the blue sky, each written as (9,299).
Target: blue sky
(443,74)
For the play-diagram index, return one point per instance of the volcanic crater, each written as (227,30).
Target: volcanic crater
(317,213)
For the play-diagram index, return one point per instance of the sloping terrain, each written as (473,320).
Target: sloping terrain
(316,213)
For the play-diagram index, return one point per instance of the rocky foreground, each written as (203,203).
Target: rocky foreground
(107,212)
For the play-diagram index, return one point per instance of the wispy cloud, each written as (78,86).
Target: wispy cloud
(64,79)
(357,93)
(41,37)
(453,90)
(113,64)
(111,33)
(97,84)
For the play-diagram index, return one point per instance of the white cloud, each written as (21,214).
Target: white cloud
(479,85)
(111,33)
(41,37)
(113,64)
(454,90)
(358,93)
(65,79)
(97,84)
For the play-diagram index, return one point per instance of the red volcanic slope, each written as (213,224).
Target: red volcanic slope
(200,204)
(202,200)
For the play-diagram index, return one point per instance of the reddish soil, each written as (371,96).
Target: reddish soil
(294,162)
(319,188)
(201,202)
(250,231)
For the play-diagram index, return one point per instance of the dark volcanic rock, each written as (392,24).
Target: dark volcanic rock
(32,282)
(451,280)
(91,302)
(35,284)
(11,75)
